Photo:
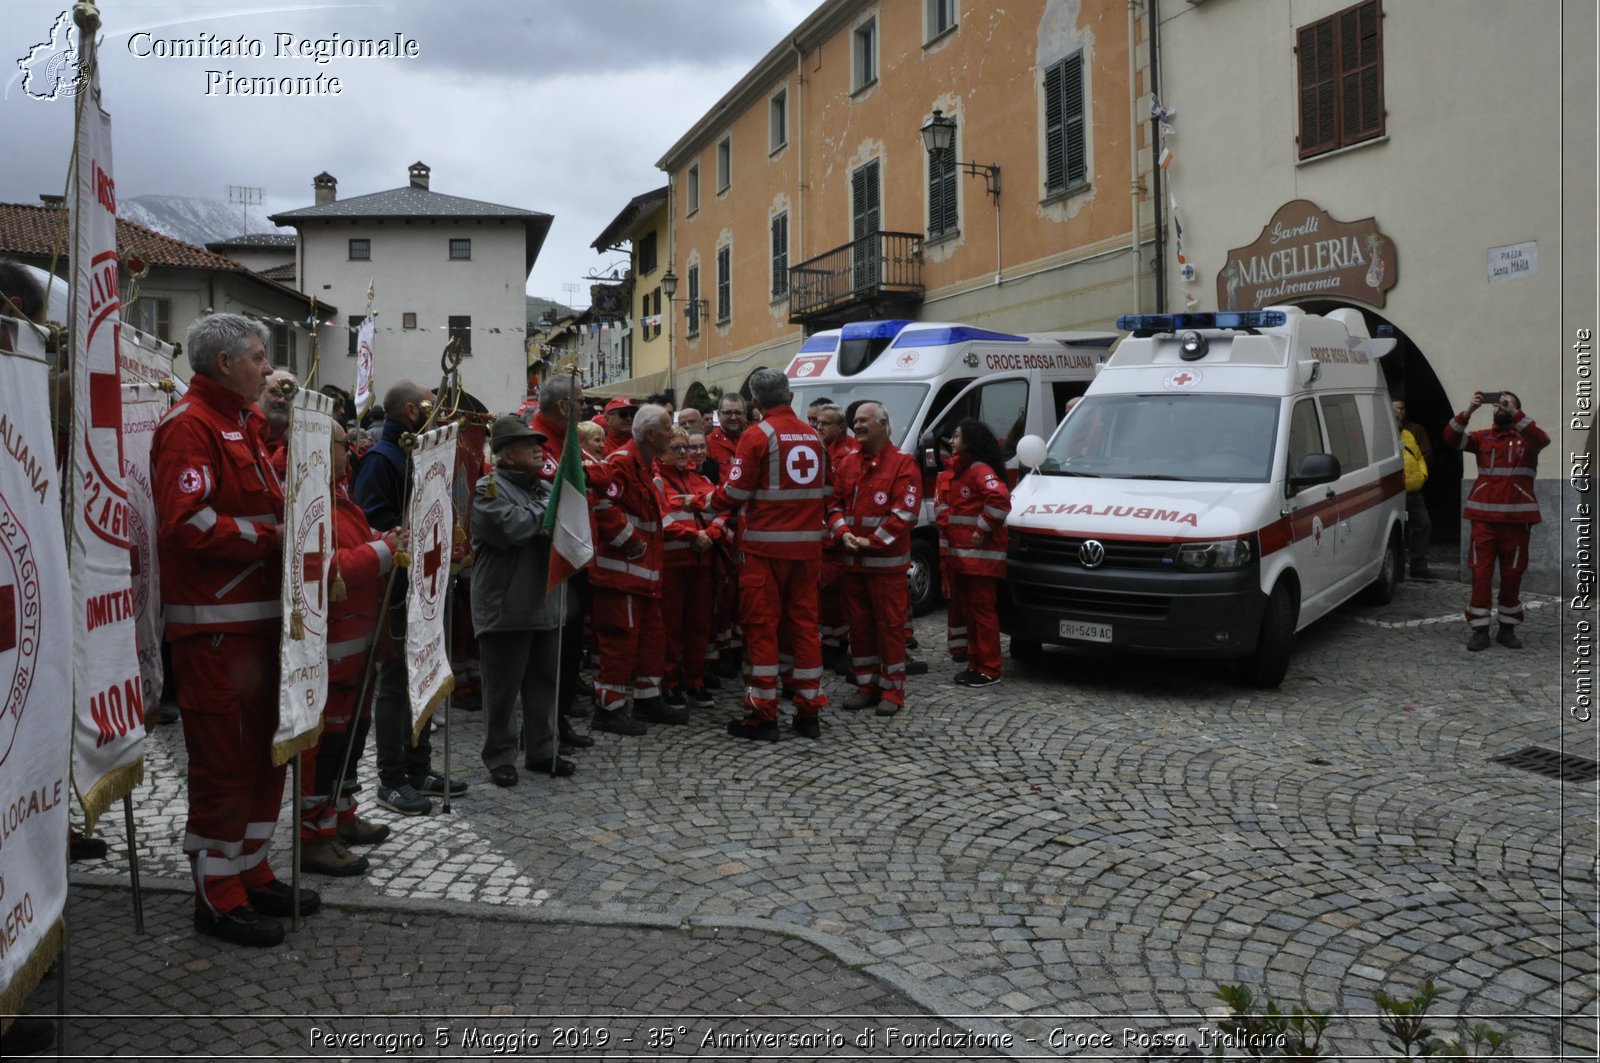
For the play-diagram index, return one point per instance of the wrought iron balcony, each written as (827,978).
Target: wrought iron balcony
(868,275)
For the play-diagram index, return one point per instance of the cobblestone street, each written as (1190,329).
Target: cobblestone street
(1090,847)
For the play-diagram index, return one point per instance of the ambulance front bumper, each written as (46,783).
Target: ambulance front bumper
(1187,614)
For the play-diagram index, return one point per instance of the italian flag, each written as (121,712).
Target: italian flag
(566,520)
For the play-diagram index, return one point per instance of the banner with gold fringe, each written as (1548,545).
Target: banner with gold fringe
(307,563)
(35,669)
(431,519)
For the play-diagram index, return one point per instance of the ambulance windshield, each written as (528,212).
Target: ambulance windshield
(903,401)
(1201,438)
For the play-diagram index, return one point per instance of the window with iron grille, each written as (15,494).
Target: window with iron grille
(360,250)
(780,255)
(461,329)
(943,214)
(1066,161)
(693,309)
(1340,64)
(460,249)
(724,283)
(355,331)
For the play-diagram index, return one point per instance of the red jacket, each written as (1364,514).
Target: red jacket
(779,475)
(877,496)
(721,447)
(680,526)
(845,445)
(972,499)
(627,511)
(219,506)
(615,442)
(1508,461)
(362,560)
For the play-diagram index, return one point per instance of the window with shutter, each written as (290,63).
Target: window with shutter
(866,219)
(693,309)
(724,284)
(1066,153)
(1339,60)
(780,255)
(943,216)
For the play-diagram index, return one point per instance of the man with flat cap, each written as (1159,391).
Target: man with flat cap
(518,625)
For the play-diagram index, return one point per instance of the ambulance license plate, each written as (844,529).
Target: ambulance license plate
(1072,629)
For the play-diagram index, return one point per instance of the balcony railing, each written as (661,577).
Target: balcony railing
(879,267)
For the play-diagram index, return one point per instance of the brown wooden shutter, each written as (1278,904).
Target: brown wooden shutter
(1319,125)
(1361,72)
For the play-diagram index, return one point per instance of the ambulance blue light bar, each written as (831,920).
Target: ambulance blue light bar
(873,330)
(1235,319)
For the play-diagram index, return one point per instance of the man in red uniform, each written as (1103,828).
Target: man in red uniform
(560,398)
(837,439)
(721,443)
(275,403)
(626,580)
(619,414)
(877,493)
(362,561)
(971,511)
(1502,508)
(779,476)
(219,506)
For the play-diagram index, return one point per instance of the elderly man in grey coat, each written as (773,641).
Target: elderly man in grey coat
(518,626)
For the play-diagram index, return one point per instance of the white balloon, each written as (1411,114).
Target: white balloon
(1031,451)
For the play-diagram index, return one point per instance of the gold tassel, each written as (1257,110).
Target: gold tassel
(458,535)
(297,625)
(337,591)
(402,558)
(493,488)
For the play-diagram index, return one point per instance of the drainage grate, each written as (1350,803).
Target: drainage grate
(1566,767)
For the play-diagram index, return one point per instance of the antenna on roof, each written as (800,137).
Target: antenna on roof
(246,196)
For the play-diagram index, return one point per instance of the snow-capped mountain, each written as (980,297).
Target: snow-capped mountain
(193,219)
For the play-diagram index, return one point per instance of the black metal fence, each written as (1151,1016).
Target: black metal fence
(876,264)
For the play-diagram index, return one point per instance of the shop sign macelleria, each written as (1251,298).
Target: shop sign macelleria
(1304,253)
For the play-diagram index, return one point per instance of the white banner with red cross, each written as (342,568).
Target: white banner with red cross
(431,520)
(35,669)
(307,569)
(143,406)
(108,692)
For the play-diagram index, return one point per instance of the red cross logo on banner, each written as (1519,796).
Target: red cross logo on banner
(312,564)
(431,563)
(8,618)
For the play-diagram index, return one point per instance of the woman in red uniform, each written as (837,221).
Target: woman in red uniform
(973,502)
(686,601)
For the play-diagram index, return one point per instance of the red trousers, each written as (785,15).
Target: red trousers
(628,627)
(878,605)
(1495,541)
(778,608)
(835,629)
(321,812)
(686,616)
(228,691)
(725,578)
(972,614)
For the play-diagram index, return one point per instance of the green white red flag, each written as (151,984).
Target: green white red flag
(566,519)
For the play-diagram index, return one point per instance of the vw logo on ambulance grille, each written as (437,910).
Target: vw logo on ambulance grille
(1092,554)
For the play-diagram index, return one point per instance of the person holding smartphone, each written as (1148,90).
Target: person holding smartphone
(1502,508)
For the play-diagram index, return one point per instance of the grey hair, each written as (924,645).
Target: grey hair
(556,388)
(883,413)
(831,407)
(769,387)
(649,416)
(219,334)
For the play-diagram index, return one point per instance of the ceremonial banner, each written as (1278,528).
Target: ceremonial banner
(307,562)
(35,669)
(142,408)
(364,367)
(108,694)
(432,523)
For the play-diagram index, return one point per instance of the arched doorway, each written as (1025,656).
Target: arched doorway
(1409,376)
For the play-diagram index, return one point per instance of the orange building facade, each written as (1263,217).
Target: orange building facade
(808,197)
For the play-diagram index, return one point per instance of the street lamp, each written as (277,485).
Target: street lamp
(939,134)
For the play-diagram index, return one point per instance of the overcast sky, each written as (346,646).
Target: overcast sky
(561,106)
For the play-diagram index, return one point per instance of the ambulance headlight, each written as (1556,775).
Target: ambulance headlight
(1215,556)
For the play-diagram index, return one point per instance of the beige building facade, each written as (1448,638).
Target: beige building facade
(1430,163)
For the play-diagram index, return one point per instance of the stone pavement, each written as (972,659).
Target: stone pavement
(1090,847)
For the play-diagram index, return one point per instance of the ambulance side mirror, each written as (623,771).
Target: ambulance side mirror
(928,447)
(1314,469)
(1031,451)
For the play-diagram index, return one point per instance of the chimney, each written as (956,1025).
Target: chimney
(419,175)
(327,188)
(53,201)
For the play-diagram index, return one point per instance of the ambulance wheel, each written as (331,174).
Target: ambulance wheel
(1270,663)
(923,576)
(1026,650)
(1381,590)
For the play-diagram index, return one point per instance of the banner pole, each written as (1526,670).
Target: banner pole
(133,863)
(555,702)
(294,848)
(380,629)
(449,660)
(62,971)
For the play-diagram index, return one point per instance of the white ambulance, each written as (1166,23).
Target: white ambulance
(932,375)
(1226,480)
